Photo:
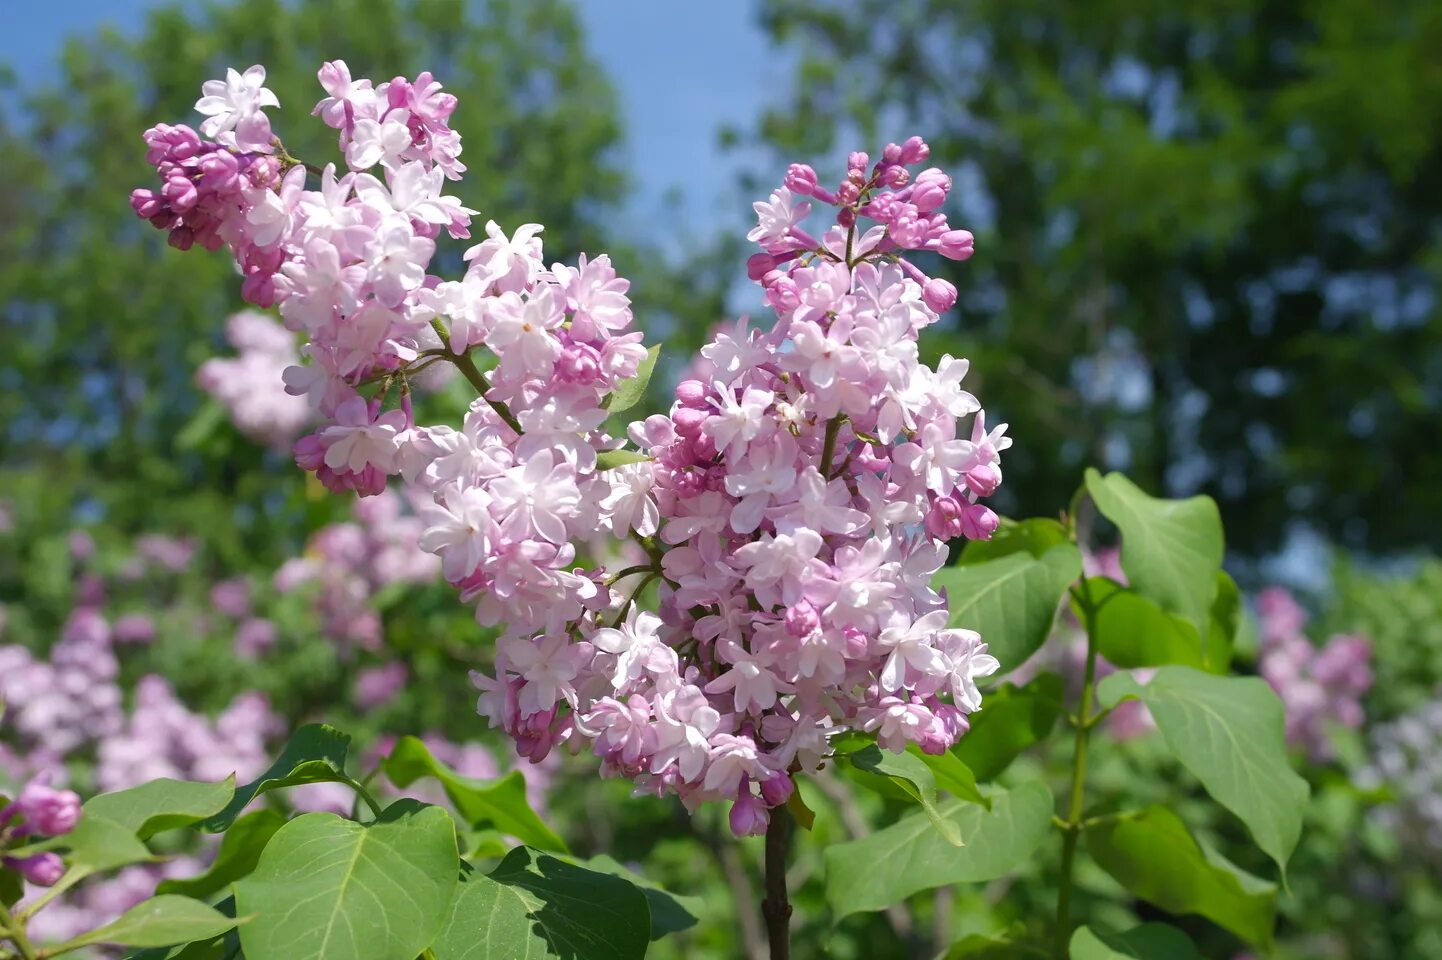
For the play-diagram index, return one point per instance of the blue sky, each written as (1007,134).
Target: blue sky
(676,93)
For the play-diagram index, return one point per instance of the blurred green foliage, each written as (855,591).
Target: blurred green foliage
(1209,236)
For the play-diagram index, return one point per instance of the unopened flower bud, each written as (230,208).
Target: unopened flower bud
(43,869)
(939,294)
(979,522)
(930,189)
(800,179)
(777,788)
(914,150)
(749,815)
(802,618)
(691,393)
(758,265)
(956,244)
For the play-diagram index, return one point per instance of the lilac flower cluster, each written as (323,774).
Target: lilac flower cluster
(791,508)
(39,811)
(249,385)
(1319,686)
(350,562)
(1404,755)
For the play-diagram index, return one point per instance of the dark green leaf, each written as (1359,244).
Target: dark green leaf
(670,913)
(1153,856)
(535,906)
(12,887)
(501,802)
(1011,601)
(161,805)
(1011,719)
(327,888)
(1150,941)
(1228,731)
(890,865)
(240,850)
(979,947)
(315,753)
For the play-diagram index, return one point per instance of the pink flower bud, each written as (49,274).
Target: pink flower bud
(688,422)
(49,811)
(800,179)
(691,393)
(777,788)
(857,160)
(943,521)
(956,244)
(43,869)
(939,295)
(979,522)
(749,815)
(758,265)
(930,189)
(891,153)
(895,176)
(848,192)
(802,618)
(914,150)
(983,479)
(146,203)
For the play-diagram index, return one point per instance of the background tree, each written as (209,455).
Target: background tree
(1210,236)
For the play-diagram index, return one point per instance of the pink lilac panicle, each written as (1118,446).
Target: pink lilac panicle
(793,504)
(1319,686)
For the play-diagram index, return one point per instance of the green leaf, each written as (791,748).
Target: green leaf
(628,393)
(890,865)
(161,805)
(796,803)
(952,775)
(501,802)
(97,844)
(12,887)
(611,459)
(980,947)
(157,922)
(1228,731)
(1153,856)
(1011,719)
(1035,536)
(915,780)
(315,753)
(1132,631)
(224,947)
(1010,601)
(327,888)
(1171,549)
(211,416)
(535,906)
(670,913)
(240,850)
(1150,941)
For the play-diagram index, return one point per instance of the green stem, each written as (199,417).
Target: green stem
(365,795)
(16,932)
(828,445)
(629,571)
(1071,828)
(471,372)
(625,607)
